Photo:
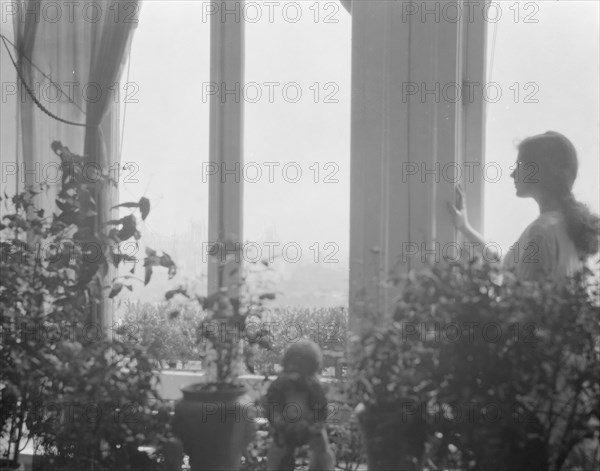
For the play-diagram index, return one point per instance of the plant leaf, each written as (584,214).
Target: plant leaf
(144,205)
(116,289)
(129,227)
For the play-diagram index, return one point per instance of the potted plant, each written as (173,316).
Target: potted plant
(391,381)
(215,419)
(497,373)
(88,398)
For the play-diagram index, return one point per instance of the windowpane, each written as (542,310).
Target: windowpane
(297,146)
(165,139)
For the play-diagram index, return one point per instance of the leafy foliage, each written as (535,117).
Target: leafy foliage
(89,399)
(500,369)
(167,338)
(107,407)
(346,443)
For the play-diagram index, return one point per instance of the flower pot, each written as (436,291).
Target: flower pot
(6,465)
(394,437)
(215,425)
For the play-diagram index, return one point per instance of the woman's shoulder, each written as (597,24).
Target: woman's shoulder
(550,226)
(550,220)
(545,248)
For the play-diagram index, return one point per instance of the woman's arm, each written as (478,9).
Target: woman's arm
(458,211)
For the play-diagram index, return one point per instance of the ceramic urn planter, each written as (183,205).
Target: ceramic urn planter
(215,425)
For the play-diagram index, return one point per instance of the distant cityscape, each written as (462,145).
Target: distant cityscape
(306,283)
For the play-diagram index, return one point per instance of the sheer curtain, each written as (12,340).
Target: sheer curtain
(71,55)
(110,43)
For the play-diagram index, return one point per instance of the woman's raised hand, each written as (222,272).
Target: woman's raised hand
(458,210)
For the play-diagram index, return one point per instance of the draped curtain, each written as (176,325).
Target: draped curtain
(110,43)
(71,54)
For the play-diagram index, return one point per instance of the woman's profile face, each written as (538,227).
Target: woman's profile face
(526,176)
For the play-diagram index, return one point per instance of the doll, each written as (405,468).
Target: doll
(296,408)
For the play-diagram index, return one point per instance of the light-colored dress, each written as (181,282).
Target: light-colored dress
(544,250)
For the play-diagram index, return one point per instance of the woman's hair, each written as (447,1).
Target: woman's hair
(556,163)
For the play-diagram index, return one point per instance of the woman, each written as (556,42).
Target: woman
(554,245)
(557,243)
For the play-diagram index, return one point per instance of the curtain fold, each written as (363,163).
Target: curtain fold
(110,42)
(71,55)
(24,29)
